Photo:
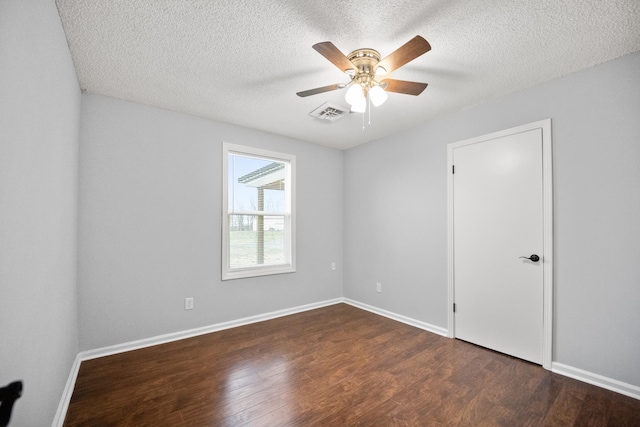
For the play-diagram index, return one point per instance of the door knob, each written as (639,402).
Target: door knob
(534,258)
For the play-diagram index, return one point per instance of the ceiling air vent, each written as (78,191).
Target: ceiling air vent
(329,111)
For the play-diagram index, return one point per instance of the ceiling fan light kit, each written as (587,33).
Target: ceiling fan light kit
(378,95)
(354,94)
(360,105)
(364,66)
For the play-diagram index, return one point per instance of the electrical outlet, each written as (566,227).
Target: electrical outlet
(188,303)
(333,265)
(379,287)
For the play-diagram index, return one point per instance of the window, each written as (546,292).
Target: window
(258,212)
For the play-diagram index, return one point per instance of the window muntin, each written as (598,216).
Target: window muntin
(258,225)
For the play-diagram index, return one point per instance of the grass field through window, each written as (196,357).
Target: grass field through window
(243,248)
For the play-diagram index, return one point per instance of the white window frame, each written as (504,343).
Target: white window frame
(289,214)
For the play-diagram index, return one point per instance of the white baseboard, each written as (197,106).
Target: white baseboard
(176,336)
(58,419)
(409,321)
(597,380)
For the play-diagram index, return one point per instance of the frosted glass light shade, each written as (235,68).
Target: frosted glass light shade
(354,94)
(360,105)
(378,95)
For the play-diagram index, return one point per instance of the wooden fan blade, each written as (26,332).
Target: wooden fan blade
(402,86)
(319,90)
(405,53)
(333,54)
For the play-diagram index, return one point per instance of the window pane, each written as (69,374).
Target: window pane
(256,240)
(256,184)
(259,206)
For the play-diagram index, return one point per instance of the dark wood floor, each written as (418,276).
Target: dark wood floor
(334,366)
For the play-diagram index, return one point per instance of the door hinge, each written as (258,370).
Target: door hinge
(453,168)
(454,307)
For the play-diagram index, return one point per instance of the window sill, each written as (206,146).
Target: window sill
(241,273)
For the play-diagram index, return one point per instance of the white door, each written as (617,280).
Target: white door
(497,220)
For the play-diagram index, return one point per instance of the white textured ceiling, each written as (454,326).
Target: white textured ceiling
(242,61)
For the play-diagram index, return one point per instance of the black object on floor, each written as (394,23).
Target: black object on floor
(8,396)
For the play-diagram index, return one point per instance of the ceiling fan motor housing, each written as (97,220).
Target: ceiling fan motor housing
(366,60)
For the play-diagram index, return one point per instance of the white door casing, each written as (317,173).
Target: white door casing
(500,209)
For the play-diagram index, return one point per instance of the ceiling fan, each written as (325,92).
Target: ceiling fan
(365,68)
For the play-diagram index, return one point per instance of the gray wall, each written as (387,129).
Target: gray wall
(150,224)
(39,122)
(396,213)
(149,215)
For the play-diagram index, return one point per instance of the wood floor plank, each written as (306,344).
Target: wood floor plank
(334,366)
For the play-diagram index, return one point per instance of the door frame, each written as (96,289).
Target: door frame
(547,191)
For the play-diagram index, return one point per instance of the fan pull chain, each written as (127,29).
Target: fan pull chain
(368,111)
